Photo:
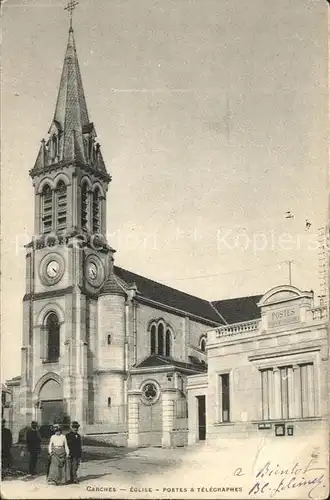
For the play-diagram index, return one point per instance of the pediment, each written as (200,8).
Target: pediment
(283,293)
(281,296)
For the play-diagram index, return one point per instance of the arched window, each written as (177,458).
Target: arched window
(61,205)
(161,339)
(153,340)
(168,343)
(53,337)
(202,344)
(84,206)
(47,209)
(96,211)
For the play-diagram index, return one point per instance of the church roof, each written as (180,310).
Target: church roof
(239,309)
(168,296)
(112,286)
(220,311)
(157,360)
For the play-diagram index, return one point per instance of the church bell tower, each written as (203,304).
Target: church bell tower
(67,260)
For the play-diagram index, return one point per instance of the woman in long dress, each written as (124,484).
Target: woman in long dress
(59,452)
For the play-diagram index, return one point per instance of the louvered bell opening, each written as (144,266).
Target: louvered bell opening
(84,207)
(61,206)
(96,211)
(47,209)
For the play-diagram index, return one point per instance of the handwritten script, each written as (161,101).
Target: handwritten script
(272,479)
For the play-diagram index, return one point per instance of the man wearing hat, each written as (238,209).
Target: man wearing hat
(6,444)
(33,442)
(74,444)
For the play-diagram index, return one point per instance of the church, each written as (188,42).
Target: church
(101,344)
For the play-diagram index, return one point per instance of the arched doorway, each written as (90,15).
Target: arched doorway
(51,402)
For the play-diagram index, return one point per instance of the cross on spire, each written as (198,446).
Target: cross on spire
(72,4)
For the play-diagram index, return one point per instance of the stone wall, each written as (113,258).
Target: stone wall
(278,371)
(185,331)
(115,439)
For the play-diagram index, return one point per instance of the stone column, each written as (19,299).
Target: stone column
(72,200)
(90,210)
(291,395)
(271,395)
(81,403)
(68,380)
(277,393)
(296,391)
(168,398)
(24,365)
(25,406)
(37,214)
(311,390)
(103,215)
(133,417)
(15,419)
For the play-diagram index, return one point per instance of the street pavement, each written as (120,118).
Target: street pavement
(262,468)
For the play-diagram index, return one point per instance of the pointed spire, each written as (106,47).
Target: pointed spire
(71,103)
(99,159)
(72,135)
(40,161)
(71,109)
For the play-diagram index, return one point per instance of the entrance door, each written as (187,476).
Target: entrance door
(52,411)
(51,399)
(201,418)
(150,424)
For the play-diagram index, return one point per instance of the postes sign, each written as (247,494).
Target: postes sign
(284,316)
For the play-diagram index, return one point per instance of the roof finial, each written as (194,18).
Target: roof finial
(72,4)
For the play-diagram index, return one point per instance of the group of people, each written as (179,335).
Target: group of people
(64,452)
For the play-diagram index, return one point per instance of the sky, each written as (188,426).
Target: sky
(212,117)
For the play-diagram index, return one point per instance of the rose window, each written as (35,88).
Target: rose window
(150,392)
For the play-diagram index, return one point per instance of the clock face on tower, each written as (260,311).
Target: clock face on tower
(94,271)
(51,269)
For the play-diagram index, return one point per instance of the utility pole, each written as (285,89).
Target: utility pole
(289,262)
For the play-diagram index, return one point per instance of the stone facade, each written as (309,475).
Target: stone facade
(100,344)
(265,374)
(103,341)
